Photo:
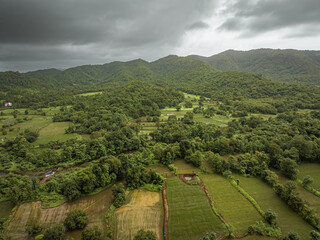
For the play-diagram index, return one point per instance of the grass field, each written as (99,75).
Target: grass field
(312,199)
(236,209)
(55,132)
(312,169)
(163,170)
(5,209)
(288,220)
(190,214)
(184,167)
(143,211)
(95,206)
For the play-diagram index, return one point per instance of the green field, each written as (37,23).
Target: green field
(184,167)
(236,209)
(190,214)
(266,197)
(312,169)
(55,132)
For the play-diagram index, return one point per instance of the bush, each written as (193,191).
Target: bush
(118,192)
(33,227)
(91,233)
(76,219)
(145,235)
(314,235)
(54,233)
(39,237)
(270,217)
(210,236)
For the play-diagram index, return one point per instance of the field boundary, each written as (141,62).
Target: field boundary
(165,210)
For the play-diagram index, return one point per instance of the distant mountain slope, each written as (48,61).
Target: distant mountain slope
(279,65)
(188,74)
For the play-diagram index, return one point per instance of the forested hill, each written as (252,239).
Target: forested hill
(279,65)
(181,73)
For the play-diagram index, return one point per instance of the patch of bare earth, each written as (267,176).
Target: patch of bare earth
(144,211)
(96,207)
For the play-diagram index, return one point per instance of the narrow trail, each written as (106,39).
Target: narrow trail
(166,216)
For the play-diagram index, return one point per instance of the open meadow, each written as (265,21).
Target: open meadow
(190,213)
(144,210)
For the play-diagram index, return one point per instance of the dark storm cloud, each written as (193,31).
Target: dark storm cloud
(258,16)
(94,31)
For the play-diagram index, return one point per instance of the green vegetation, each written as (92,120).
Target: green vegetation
(145,235)
(234,208)
(267,199)
(76,219)
(71,134)
(280,65)
(190,214)
(91,233)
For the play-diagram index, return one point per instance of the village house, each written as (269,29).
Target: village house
(7,104)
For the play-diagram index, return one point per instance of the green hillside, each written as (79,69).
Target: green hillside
(280,65)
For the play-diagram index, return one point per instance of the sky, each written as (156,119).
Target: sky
(41,34)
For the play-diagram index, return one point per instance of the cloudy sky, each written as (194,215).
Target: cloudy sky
(38,34)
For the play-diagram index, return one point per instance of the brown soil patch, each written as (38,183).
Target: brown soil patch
(144,211)
(96,207)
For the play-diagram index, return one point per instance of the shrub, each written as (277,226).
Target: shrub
(54,233)
(270,217)
(145,235)
(33,227)
(76,219)
(91,233)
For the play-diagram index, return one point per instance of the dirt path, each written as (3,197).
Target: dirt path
(166,211)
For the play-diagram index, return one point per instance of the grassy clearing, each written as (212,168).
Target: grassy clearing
(55,132)
(190,214)
(96,207)
(5,209)
(234,207)
(312,169)
(89,94)
(143,211)
(288,220)
(163,170)
(184,167)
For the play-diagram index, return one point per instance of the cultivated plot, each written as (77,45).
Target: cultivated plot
(96,207)
(190,214)
(143,211)
(267,199)
(235,208)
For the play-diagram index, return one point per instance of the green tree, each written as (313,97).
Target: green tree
(289,168)
(314,235)
(33,226)
(307,180)
(210,236)
(76,219)
(91,233)
(270,217)
(145,235)
(54,233)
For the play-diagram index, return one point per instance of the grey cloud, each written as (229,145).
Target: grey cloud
(254,17)
(93,31)
(198,25)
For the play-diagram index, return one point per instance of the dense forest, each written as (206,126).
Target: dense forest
(270,129)
(280,65)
